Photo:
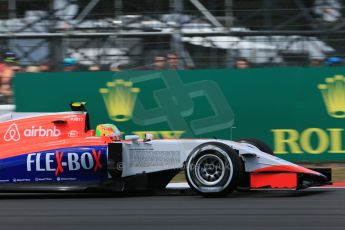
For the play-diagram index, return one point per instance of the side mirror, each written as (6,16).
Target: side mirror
(148,137)
(133,138)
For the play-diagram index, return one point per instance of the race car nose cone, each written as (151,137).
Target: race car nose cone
(309,180)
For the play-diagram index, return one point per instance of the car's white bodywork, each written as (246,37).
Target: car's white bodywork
(158,155)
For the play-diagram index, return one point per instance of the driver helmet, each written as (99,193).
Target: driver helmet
(108,130)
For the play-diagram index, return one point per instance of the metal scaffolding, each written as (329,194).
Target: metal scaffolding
(78,27)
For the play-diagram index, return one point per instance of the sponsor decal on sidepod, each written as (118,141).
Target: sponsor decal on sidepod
(54,161)
(13,134)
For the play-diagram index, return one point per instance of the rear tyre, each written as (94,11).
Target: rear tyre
(258,144)
(213,169)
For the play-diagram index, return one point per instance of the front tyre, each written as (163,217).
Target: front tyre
(213,169)
(262,146)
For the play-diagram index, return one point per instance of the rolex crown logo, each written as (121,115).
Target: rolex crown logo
(333,93)
(119,98)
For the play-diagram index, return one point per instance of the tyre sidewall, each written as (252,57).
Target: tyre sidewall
(232,171)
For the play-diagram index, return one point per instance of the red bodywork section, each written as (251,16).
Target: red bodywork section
(286,168)
(278,176)
(274,181)
(45,132)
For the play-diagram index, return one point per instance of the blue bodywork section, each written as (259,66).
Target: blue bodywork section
(77,164)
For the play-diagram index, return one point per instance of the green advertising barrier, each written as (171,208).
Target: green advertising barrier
(299,112)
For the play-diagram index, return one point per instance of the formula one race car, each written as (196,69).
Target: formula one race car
(58,152)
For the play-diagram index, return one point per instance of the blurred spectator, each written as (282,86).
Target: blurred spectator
(32,69)
(315,62)
(335,61)
(70,64)
(160,63)
(45,67)
(94,68)
(17,68)
(242,63)
(172,61)
(328,10)
(9,60)
(115,67)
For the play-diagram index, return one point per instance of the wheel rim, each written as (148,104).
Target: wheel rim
(209,169)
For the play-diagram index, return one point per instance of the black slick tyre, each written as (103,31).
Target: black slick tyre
(213,169)
(258,144)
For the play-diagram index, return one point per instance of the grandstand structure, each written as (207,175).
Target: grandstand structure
(202,33)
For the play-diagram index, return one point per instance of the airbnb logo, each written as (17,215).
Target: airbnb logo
(12,133)
(42,132)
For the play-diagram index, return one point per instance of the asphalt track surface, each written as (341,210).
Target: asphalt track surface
(312,209)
